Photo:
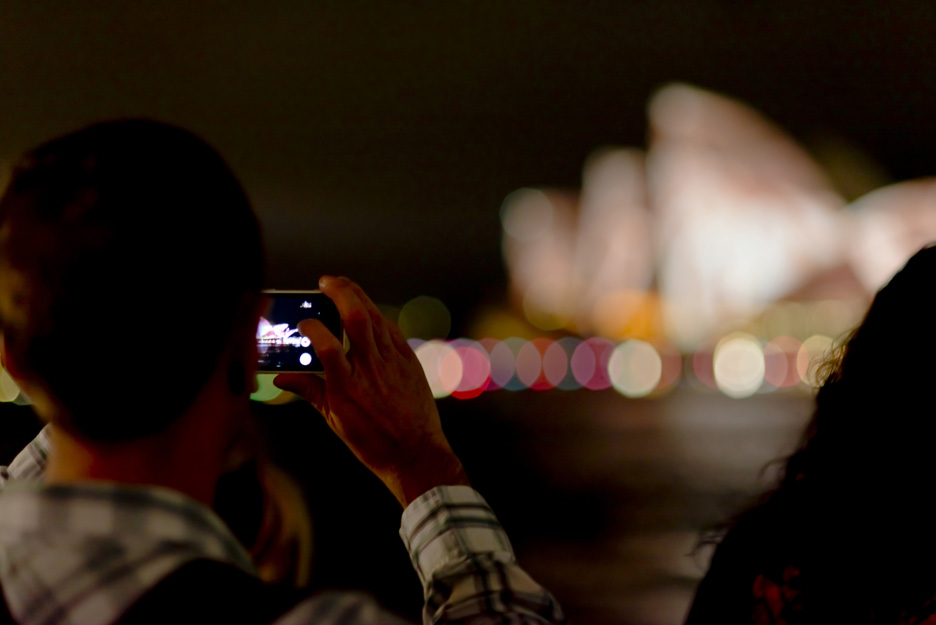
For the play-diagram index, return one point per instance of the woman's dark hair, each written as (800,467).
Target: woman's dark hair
(128,249)
(851,507)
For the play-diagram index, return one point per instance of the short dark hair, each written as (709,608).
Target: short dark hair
(136,248)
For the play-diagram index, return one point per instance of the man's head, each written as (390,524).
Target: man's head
(130,267)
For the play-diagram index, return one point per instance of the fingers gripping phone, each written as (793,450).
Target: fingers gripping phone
(280,346)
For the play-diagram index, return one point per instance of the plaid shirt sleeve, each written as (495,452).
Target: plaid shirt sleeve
(466,564)
(28,464)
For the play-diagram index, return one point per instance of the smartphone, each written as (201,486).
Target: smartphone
(280,346)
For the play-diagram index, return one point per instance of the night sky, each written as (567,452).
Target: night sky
(378,139)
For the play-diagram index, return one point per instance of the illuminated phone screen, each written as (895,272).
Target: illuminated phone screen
(280,346)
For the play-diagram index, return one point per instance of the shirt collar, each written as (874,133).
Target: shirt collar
(66,549)
(106,509)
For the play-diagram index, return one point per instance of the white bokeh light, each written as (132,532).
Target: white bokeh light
(635,368)
(738,365)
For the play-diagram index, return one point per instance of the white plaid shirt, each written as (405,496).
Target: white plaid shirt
(82,554)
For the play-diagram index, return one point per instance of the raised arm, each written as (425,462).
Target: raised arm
(376,399)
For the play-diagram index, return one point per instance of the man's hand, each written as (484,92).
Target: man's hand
(376,397)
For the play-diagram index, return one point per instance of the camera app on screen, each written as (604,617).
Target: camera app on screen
(280,347)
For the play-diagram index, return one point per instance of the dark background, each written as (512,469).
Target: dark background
(378,140)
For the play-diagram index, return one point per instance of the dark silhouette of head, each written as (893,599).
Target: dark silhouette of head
(129,258)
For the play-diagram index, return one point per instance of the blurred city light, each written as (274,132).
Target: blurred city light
(635,368)
(590,363)
(555,363)
(568,345)
(476,369)
(425,317)
(443,367)
(738,365)
(530,366)
(780,356)
(811,355)
(503,362)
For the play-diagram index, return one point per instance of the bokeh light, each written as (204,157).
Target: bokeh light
(551,369)
(568,345)
(635,368)
(590,363)
(530,365)
(738,365)
(442,365)
(502,360)
(426,318)
(504,364)
(671,360)
(555,363)
(780,362)
(812,353)
(476,369)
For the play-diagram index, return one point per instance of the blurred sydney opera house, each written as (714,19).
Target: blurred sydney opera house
(724,238)
(720,219)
